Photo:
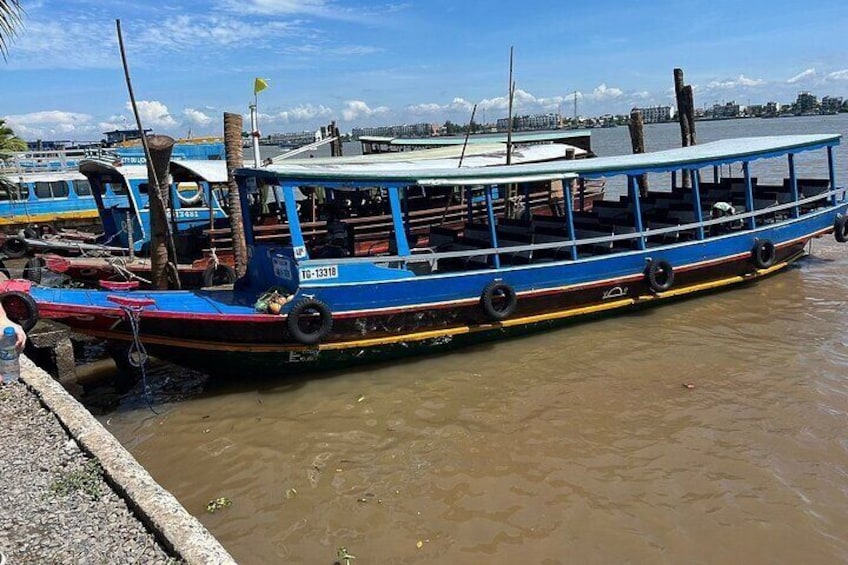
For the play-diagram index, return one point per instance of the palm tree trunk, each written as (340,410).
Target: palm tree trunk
(233,124)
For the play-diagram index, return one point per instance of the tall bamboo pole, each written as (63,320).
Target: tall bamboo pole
(162,248)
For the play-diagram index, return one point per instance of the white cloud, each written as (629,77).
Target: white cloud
(741,81)
(355,109)
(458,104)
(196,117)
(52,123)
(838,75)
(301,113)
(809,73)
(603,92)
(153,114)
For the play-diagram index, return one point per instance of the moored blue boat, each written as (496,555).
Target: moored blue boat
(491,277)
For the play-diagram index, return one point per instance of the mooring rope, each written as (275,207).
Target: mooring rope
(137,354)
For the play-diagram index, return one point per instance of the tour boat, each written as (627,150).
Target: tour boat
(695,229)
(200,224)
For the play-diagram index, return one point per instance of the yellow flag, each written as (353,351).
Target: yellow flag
(259,85)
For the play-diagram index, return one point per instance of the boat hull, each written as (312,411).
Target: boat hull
(241,340)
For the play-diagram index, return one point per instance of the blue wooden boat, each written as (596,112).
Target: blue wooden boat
(48,187)
(489,278)
(51,197)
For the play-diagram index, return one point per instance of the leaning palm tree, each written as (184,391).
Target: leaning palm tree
(10,20)
(9,142)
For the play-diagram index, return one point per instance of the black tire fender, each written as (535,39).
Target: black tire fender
(840,229)
(763,253)
(309,307)
(498,291)
(14,247)
(222,274)
(20,308)
(660,275)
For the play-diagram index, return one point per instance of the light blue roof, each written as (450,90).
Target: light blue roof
(697,156)
(440,141)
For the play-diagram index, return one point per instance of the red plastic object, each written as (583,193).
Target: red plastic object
(56,263)
(20,285)
(118,285)
(131,302)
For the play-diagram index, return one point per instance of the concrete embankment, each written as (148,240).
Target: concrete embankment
(70,493)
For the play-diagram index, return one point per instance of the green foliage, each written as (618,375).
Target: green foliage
(9,142)
(86,480)
(10,18)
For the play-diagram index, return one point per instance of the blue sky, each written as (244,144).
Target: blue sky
(366,63)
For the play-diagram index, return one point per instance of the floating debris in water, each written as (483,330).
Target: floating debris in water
(688,385)
(343,555)
(218,503)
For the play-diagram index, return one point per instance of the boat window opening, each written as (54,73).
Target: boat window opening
(118,187)
(18,191)
(51,189)
(82,188)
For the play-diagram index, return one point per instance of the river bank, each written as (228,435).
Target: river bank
(69,493)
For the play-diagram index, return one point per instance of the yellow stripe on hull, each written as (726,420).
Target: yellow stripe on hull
(74,215)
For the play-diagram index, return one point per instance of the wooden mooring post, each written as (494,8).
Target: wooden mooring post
(685,115)
(637,141)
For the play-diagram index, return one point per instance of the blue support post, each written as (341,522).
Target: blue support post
(793,185)
(749,194)
(633,183)
(696,202)
(673,180)
(243,184)
(569,214)
(831,170)
(397,221)
(715,174)
(298,245)
(469,202)
(490,212)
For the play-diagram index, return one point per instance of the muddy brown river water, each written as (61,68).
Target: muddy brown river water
(709,430)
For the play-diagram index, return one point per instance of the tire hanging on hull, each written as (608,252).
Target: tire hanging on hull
(311,310)
(498,300)
(660,275)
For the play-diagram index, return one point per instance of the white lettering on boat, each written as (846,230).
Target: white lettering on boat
(282,268)
(615,292)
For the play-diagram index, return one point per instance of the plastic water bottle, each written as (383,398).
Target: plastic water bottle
(10,359)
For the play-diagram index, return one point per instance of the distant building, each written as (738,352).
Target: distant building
(806,103)
(656,114)
(120,135)
(772,109)
(831,105)
(404,130)
(530,122)
(727,110)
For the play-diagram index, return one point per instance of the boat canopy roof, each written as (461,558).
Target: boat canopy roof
(209,171)
(448,140)
(481,155)
(421,172)
(46,176)
(100,167)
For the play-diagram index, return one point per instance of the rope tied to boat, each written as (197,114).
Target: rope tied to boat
(137,354)
(213,257)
